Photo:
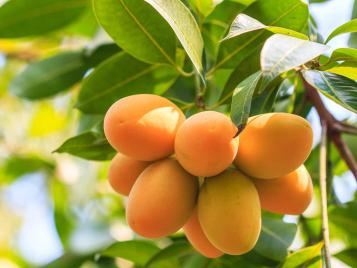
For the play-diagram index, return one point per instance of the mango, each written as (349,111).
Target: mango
(229,212)
(162,199)
(273,145)
(288,194)
(123,172)
(198,239)
(205,143)
(143,126)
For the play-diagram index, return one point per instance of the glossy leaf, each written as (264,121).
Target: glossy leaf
(338,88)
(137,251)
(292,14)
(304,257)
(346,69)
(49,77)
(275,238)
(244,24)
(138,29)
(20,18)
(282,53)
(242,98)
(184,25)
(344,54)
(89,145)
(120,76)
(348,27)
(173,251)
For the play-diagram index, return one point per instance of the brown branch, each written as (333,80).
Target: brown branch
(323,190)
(334,127)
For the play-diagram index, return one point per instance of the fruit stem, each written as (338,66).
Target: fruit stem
(323,178)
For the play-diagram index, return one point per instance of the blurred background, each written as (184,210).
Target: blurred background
(51,201)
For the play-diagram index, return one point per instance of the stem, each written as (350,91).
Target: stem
(323,189)
(334,127)
(183,72)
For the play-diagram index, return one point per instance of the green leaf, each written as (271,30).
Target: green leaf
(275,238)
(184,25)
(120,76)
(242,99)
(244,24)
(347,69)
(340,89)
(348,256)
(138,29)
(203,7)
(344,54)
(101,53)
(137,251)
(348,27)
(282,53)
(23,18)
(49,77)
(292,14)
(68,260)
(352,42)
(305,256)
(175,250)
(89,145)
(17,166)
(196,261)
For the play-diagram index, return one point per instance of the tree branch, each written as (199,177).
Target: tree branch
(334,127)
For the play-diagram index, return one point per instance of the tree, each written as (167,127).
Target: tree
(240,57)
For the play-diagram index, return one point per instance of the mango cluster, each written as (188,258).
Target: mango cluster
(196,174)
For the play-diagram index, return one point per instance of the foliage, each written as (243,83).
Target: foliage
(241,57)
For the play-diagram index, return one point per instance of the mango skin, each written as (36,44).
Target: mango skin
(205,143)
(288,194)
(123,172)
(273,145)
(162,199)
(198,239)
(143,126)
(229,212)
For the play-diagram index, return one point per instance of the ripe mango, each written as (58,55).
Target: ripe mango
(143,126)
(123,172)
(273,145)
(162,199)
(205,143)
(288,194)
(229,212)
(198,239)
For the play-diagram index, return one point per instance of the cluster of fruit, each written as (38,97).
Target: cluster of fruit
(179,173)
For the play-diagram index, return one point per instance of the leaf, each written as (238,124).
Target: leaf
(137,251)
(304,256)
(203,7)
(242,98)
(23,18)
(49,77)
(184,25)
(196,260)
(120,76)
(275,238)
(289,13)
(138,29)
(89,145)
(344,54)
(101,53)
(174,250)
(348,256)
(348,27)
(281,53)
(340,89)
(244,24)
(347,69)
(68,260)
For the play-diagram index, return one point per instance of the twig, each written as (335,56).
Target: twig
(334,127)
(323,189)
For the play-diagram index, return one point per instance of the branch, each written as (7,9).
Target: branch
(334,127)
(323,190)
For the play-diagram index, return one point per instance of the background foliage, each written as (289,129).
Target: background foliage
(63,63)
